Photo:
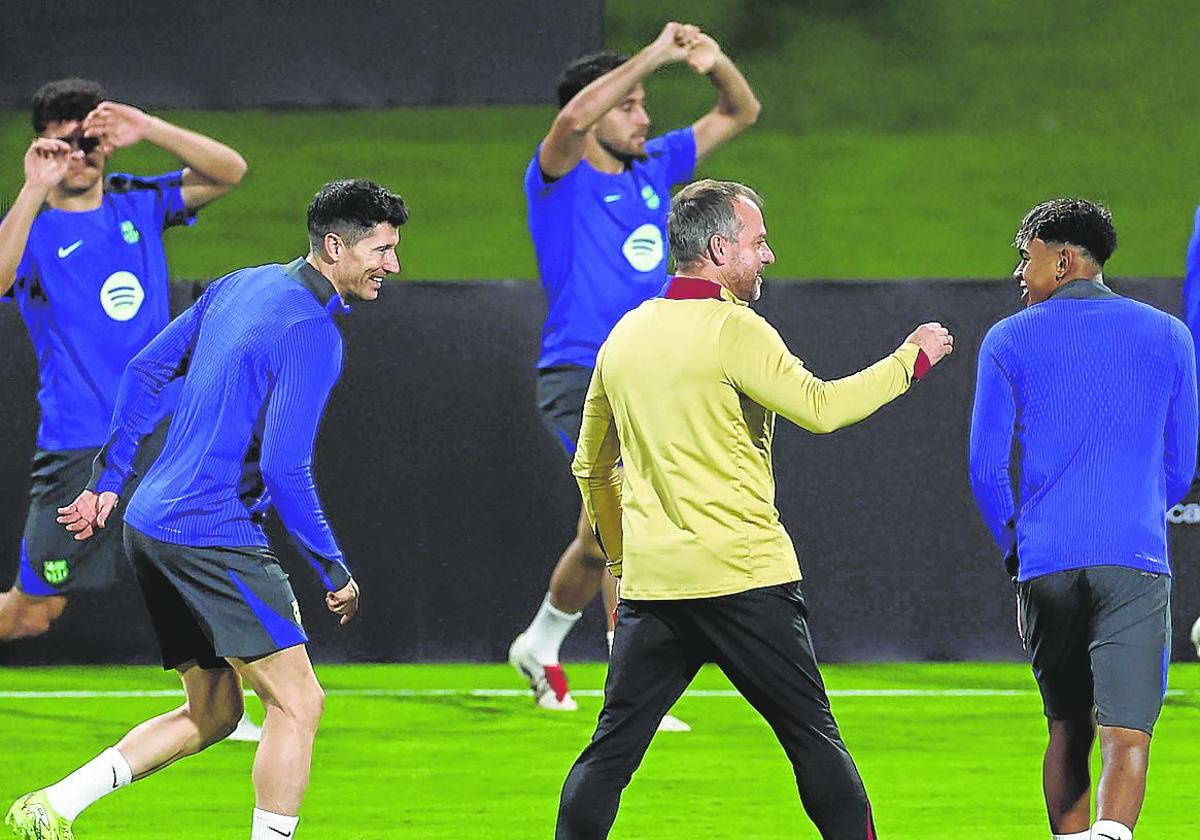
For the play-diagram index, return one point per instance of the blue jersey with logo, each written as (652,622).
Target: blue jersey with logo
(601,243)
(93,290)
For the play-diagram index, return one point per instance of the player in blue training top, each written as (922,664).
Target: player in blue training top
(598,193)
(258,355)
(1099,391)
(82,256)
(1191,316)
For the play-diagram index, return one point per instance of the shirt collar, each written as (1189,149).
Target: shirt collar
(1091,288)
(303,273)
(682,287)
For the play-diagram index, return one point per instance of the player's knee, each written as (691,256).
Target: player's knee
(219,715)
(304,705)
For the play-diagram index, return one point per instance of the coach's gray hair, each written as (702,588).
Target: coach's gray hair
(701,210)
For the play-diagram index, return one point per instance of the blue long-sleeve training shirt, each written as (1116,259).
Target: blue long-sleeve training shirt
(259,353)
(1191,285)
(1100,393)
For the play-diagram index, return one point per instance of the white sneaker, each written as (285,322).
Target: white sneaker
(246,731)
(548,682)
(1196,636)
(670,723)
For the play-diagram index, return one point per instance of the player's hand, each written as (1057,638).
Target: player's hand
(934,339)
(117,125)
(46,162)
(670,47)
(87,513)
(344,602)
(702,53)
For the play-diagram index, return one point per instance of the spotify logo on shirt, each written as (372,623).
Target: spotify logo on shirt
(122,295)
(644,248)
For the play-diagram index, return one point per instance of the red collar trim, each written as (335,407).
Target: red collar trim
(680,287)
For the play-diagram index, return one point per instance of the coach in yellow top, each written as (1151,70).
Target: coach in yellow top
(684,394)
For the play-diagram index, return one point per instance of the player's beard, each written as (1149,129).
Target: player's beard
(626,158)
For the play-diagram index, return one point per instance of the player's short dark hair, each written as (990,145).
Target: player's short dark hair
(351,209)
(583,71)
(63,100)
(699,211)
(1071,221)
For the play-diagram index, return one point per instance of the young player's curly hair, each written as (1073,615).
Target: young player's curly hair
(64,100)
(1071,221)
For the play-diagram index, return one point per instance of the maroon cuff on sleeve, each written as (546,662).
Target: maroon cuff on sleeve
(921,366)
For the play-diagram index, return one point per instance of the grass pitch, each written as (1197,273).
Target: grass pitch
(452,751)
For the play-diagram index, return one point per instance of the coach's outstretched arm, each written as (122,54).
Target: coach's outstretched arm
(211,168)
(737,107)
(564,145)
(759,365)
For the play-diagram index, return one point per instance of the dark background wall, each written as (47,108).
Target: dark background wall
(253,53)
(452,503)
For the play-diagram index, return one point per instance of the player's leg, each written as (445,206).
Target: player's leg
(762,643)
(1066,777)
(1056,612)
(24,616)
(285,683)
(211,710)
(214,702)
(1131,646)
(580,569)
(52,564)
(654,658)
(249,613)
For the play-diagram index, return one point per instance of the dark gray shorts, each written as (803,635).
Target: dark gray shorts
(560,395)
(52,561)
(207,604)
(1099,638)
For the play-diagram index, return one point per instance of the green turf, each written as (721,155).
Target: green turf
(899,138)
(476,766)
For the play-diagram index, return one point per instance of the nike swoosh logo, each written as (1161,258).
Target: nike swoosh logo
(608,199)
(280,833)
(63,253)
(114,769)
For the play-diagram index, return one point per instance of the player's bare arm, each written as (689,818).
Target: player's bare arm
(46,164)
(564,145)
(737,107)
(211,168)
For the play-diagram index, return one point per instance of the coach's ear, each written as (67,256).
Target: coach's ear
(717,246)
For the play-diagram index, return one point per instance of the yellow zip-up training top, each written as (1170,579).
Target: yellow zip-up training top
(684,396)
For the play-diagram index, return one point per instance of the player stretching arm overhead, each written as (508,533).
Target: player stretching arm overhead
(81,254)
(598,192)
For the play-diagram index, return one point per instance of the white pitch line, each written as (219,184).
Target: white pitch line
(515,692)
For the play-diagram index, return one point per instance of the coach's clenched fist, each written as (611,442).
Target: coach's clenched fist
(934,339)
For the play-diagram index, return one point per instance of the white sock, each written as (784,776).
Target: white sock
(1080,835)
(609,637)
(268,826)
(1111,830)
(547,631)
(99,777)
